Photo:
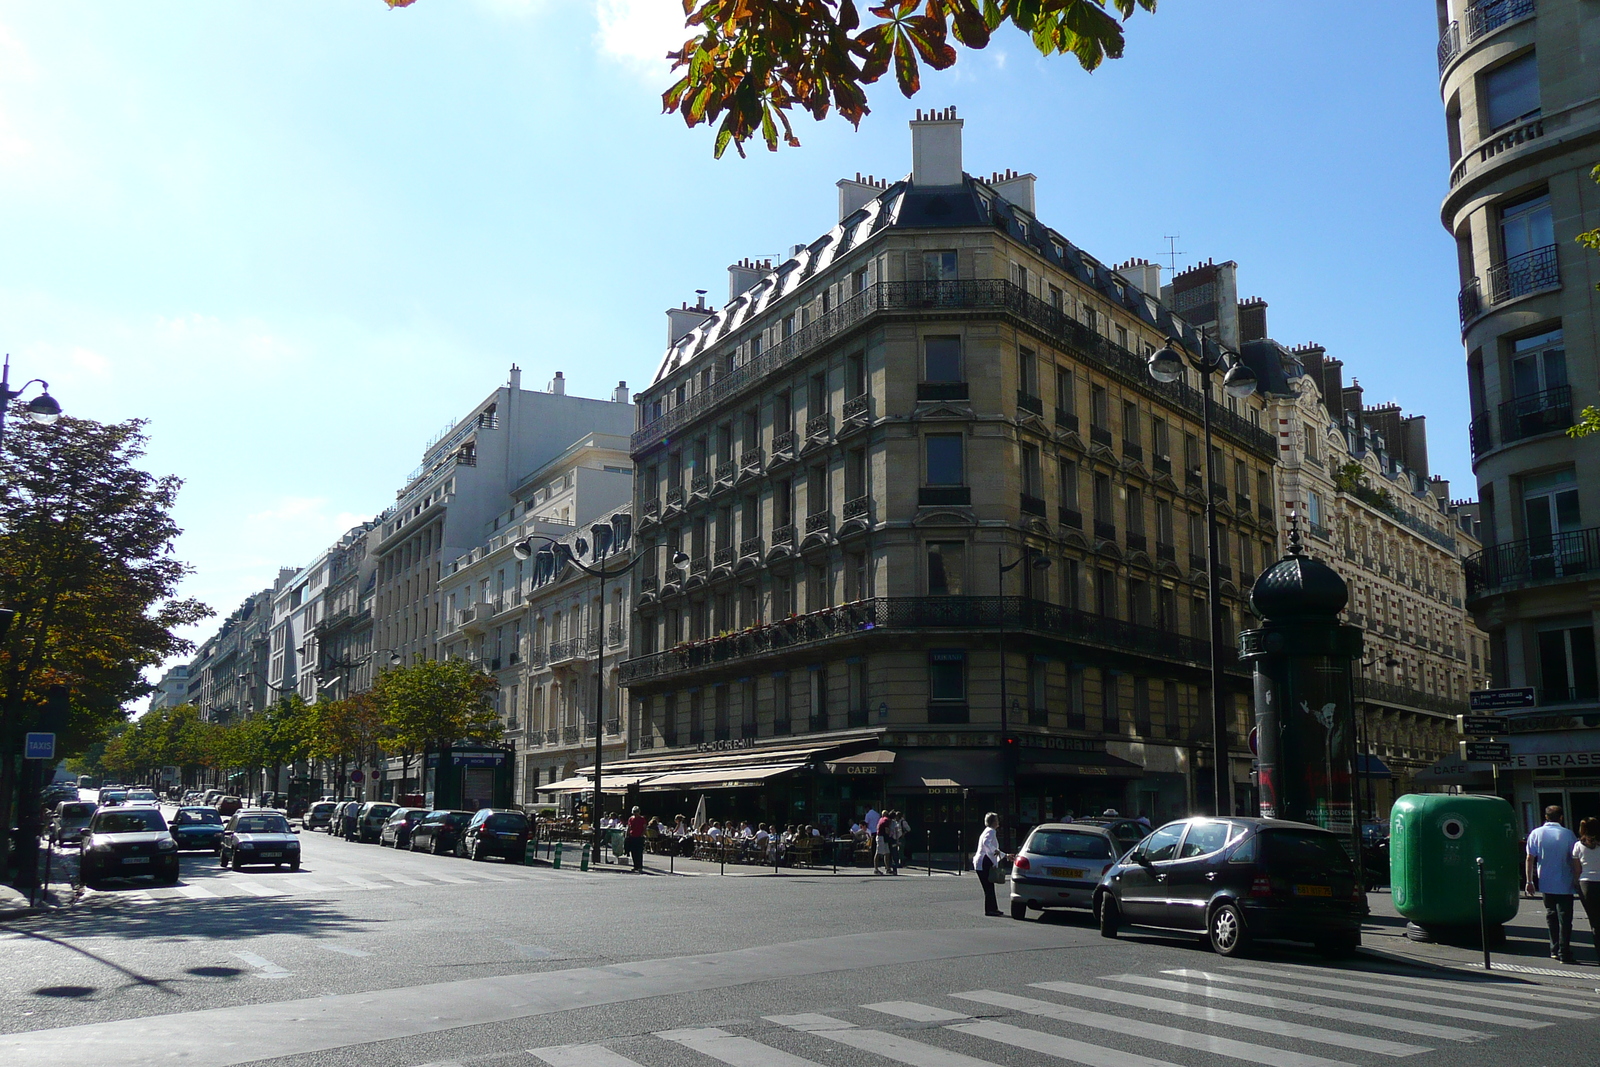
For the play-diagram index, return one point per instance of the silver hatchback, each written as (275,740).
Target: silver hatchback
(1059,866)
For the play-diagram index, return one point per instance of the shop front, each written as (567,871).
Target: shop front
(1561,768)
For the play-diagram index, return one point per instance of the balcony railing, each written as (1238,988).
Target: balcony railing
(1033,505)
(1132,451)
(1029,402)
(1105,531)
(1389,693)
(1561,555)
(819,522)
(1197,561)
(1490,15)
(1137,542)
(1479,435)
(723,557)
(912,613)
(1536,413)
(1070,517)
(944,496)
(1265,513)
(726,471)
(783,535)
(750,459)
(937,391)
(750,546)
(857,507)
(920,298)
(783,442)
(699,565)
(1066,420)
(1100,435)
(701,486)
(675,497)
(1165,551)
(1524,274)
(818,426)
(1162,464)
(856,407)
(1449,45)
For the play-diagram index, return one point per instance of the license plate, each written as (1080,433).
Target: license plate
(270,855)
(136,859)
(1066,872)
(1313,891)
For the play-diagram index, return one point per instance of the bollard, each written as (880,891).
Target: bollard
(556,861)
(723,869)
(583,862)
(927,848)
(1483,922)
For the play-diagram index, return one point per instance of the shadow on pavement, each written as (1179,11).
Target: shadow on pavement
(225,918)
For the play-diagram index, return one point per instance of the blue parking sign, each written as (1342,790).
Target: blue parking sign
(40,746)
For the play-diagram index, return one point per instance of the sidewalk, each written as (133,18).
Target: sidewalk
(1525,953)
(683,867)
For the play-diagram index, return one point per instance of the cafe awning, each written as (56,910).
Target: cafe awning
(610,783)
(876,762)
(1452,770)
(1370,766)
(718,778)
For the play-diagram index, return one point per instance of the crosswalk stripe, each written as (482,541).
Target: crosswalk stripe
(1435,987)
(308,886)
(359,882)
(449,879)
(917,1013)
(809,1021)
(1221,1046)
(483,876)
(140,896)
(1517,1021)
(405,880)
(889,1046)
(255,889)
(1414,1027)
(1062,1048)
(195,892)
(733,1050)
(1207,1013)
(581,1056)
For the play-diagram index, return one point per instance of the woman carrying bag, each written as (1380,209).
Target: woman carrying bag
(987,860)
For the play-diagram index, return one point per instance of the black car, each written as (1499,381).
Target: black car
(439,831)
(370,820)
(1236,880)
(1125,832)
(197,829)
(495,832)
(259,836)
(1375,853)
(397,827)
(126,842)
(319,816)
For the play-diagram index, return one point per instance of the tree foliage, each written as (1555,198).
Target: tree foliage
(750,62)
(436,702)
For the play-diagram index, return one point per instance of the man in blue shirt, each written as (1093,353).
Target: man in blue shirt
(1553,873)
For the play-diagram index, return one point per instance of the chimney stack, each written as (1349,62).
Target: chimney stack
(619,395)
(1143,276)
(1253,319)
(744,274)
(558,384)
(853,195)
(683,319)
(1015,189)
(516,377)
(936,148)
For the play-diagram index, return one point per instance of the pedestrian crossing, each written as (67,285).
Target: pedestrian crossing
(1283,1015)
(343,879)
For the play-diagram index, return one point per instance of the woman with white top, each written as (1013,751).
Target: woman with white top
(986,859)
(1586,857)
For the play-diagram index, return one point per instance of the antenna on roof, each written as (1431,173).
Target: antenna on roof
(1172,251)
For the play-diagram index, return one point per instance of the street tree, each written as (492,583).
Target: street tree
(345,731)
(86,564)
(748,63)
(435,703)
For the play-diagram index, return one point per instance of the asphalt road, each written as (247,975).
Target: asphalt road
(369,956)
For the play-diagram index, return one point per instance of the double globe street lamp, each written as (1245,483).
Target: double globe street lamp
(1167,365)
(607,541)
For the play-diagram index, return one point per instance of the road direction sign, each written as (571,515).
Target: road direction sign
(1480,725)
(40,746)
(1501,699)
(1486,751)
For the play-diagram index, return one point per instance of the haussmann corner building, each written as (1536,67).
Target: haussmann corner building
(832,469)
(1521,92)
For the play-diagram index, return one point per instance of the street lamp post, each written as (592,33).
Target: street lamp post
(1166,365)
(42,409)
(606,537)
(1039,562)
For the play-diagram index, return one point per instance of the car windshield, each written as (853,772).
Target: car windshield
(191,816)
(113,794)
(1306,850)
(506,820)
(261,824)
(76,811)
(321,809)
(1068,844)
(138,821)
(381,811)
(141,794)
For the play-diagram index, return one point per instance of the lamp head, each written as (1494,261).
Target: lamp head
(1166,362)
(679,558)
(1240,381)
(43,408)
(394,659)
(523,549)
(1041,562)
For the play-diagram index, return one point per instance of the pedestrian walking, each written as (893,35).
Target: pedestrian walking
(1587,853)
(1552,873)
(987,859)
(633,839)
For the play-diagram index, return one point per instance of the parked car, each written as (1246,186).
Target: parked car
(267,800)
(495,832)
(344,820)
(1125,832)
(397,827)
(439,831)
(211,797)
(370,819)
(143,798)
(111,798)
(259,836)
(67,822)
(1059,866)
(1235,881)
(125,842)
(228,806)
(318,816)
(197,829)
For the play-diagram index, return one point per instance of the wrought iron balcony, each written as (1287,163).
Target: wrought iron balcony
(701,486)
(649,583)
(857,507)
(1193,479)
(1536,413)
(726,471)
(651,509)
(1489,15)
(723,557)
(750,459)
(699,565)
(1100,435)
(1137,542)
(1030,403)
(675,497)
(1105,531)
(1165,551)
(1197,561)
(1162,464)
(1070,517)
(857,407)
(1265,513)
(1449,45)
(1066,420)
(944,496)
(1528,273)
(1132,451)
(570,735)
(819,425)
(1319,531)
(819,522)
(937,391)
(783,535)
(552,737)
(1563,555)
(1033,505)
(783,442)
(849,621)
(616,634)
(750,546)
(1388,693)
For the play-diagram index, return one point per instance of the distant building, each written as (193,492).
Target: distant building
(173,689)
(228,675)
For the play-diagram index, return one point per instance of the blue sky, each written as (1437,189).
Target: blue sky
(299,237)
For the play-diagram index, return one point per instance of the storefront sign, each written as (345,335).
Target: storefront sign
(730,745)
(1501,699)
(477,759)
(1542,761)
(1061,744)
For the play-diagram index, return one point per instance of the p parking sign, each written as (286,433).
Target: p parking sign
(39,746)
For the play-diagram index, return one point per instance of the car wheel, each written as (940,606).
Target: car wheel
(1110,915)
(438,846)
(294,865)
(475,853)
(1019,909)
(168,879)
(238,862)
(1226,931)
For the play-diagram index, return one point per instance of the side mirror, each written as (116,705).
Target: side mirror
(1141,859)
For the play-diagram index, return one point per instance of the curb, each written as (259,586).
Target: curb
(1504,967)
